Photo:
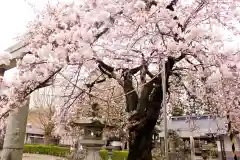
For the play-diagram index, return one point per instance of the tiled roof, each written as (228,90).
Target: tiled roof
(34,131)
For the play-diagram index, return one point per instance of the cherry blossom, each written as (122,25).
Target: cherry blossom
(196,40)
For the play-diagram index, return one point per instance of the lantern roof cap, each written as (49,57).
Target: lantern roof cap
(90,123)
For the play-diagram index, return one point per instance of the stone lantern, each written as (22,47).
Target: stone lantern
(92,139)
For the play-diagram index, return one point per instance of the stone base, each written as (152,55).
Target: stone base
(92,153)
(92,148)
(92,143)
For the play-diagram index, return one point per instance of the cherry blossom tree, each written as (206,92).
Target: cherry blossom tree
(129,41)
(225,88)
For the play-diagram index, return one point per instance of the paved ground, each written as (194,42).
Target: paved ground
(200,158)
(40,157)
(27,156)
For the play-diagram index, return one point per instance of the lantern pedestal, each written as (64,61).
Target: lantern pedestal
(92,148)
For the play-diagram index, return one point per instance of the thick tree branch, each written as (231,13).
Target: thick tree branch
(100,34)
(96,81)
(104,71)
(46,82)
(28,91)
(153,110)
(132,97)
(105,66)
(127,84)
(144,100)
(171,5)
(135,70)
(182,56)
(108,70)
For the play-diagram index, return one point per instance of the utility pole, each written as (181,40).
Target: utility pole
(164,105)
(192,147)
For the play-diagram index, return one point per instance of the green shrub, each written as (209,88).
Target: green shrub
(116,155)
(103,154)
(48,150)
(120,155)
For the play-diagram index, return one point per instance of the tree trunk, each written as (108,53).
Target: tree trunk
(15,134)
(141,138)
(47,139)
(147,114)
(140,148)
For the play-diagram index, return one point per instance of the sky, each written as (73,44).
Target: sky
(15,16)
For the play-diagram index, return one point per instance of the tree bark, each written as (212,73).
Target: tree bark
(141,141)
(15,134)
(148,111)
(48,131)
(47,139)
